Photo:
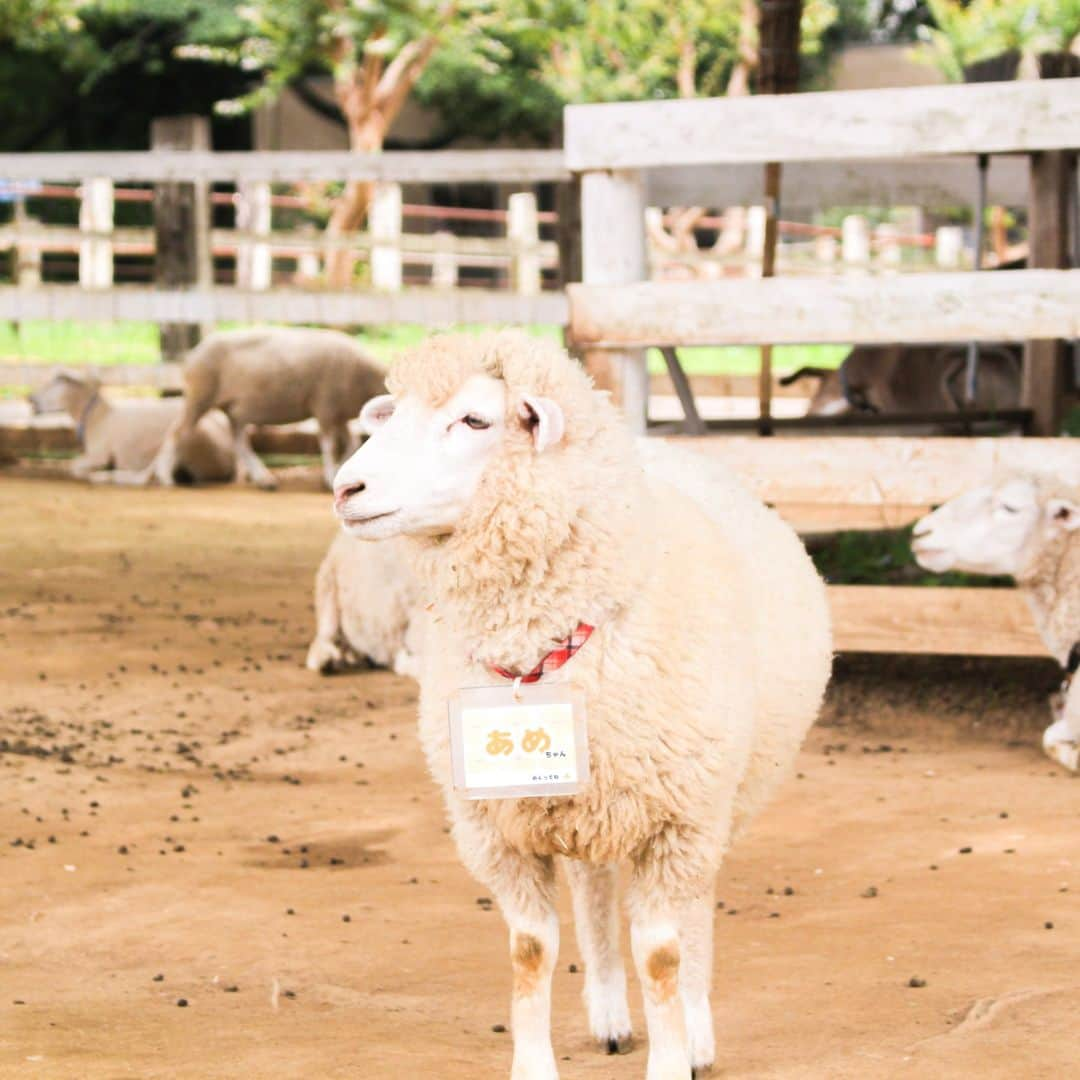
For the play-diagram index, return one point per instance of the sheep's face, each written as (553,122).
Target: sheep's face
(421,467)
(58,393)
(990,530)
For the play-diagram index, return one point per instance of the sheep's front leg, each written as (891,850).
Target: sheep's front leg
(248,464)
(82,467)
(655,942)
(524,887)
(124,477)
(595,891)
(695,980)
(333,443)
(1061,740)
(164,463)
(324,654)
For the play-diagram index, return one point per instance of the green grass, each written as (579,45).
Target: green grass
(136,343)
(883,558)
(79,343)
(745,359)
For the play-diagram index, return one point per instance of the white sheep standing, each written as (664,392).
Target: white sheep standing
(528,512)
(276,375)
(120,440)
(1024,526)
(366,599)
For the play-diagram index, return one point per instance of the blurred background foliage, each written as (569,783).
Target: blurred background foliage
(78,74)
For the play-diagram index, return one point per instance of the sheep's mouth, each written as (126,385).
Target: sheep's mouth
(355,519)
(935,559)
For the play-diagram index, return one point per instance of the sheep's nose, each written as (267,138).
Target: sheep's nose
(344,492)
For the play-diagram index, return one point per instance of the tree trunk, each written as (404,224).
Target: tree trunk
(350,211)
(739,83)
(778,46)
(779,32)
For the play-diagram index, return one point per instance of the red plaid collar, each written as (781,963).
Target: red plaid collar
(554,659)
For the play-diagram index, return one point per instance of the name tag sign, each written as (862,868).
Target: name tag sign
(513,744)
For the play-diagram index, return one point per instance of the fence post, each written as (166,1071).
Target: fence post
(756,219)
(889,251)
(307,261)
(253,216)
(385,221)
(96,218)
(948,246)
(181,227)
(568,229)
(1043,382)
(613,253)
(523,230)
(825,249)
(855,242)
(444,267)
(28,252)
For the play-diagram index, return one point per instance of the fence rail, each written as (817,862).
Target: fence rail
(846,125)
(287,166)
(1014,306)
(425,306)
(617,147)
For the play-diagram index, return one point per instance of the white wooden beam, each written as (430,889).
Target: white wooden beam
(835,125)
(427,307)
(810,185)
(1014,306)
(880,471)
(613,254)
(442,166)
(958,622)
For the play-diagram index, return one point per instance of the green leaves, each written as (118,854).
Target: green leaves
(965,34)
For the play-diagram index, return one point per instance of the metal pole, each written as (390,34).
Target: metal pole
(1075,373)
(971,373)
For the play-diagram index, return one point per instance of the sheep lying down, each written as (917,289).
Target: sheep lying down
(1027,527)
(366,600)
(687,618)
(120,440)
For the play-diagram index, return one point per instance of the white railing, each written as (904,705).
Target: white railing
(618,147)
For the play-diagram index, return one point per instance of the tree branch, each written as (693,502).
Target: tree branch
(686,74)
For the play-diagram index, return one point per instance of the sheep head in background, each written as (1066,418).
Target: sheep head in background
(1026,527)
(996,529)
(65,392)
(684,617)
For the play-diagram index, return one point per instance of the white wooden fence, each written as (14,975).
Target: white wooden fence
(389,248)
(616,147)
(256,245)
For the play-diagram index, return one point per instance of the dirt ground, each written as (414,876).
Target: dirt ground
(187,815)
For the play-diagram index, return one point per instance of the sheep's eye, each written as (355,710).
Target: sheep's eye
(1010,509)
(477,423)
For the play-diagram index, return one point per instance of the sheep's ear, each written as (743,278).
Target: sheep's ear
(375,413)
(544,419)
(1063,513)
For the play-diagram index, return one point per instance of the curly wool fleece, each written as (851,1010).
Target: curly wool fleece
(712,643)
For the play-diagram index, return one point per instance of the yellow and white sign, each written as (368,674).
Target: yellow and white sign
(514,744)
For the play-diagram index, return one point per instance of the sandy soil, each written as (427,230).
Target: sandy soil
(187,815)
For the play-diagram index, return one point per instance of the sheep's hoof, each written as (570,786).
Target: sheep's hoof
(1066,754)
(266,485)
(619,1044)
(325,659)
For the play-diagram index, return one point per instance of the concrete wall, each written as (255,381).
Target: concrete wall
(869,67)
(289,124)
